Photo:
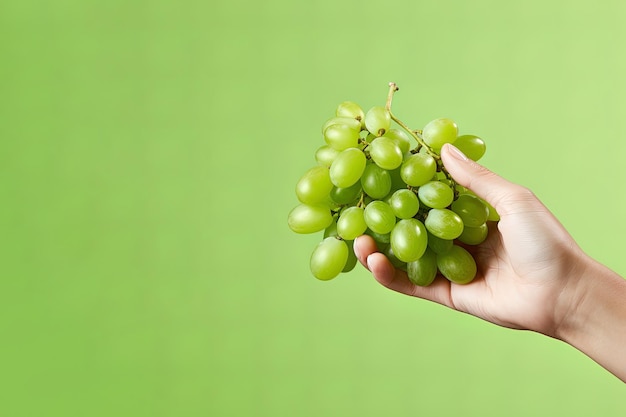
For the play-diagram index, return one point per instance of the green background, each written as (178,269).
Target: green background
(148,156)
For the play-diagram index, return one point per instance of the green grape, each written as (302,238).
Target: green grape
(457,265)
(348,121)
(329,258)
(401,138)
(404,203)
(385,153)
(439,245)
(331,230)
(314,186)
(379,217)
(351,223)
(325,155)
(471,210)
(444,223)
(309,218)
(351,262)
(380,239)
(347,167)
(351,110)
(387,250)
(472,146)
(345,195)
(341,136)
(439,132)
(493,214)
(396,180)
(423,271)
(377,120)
(408,240)
(376,182)
(474,235)
(435,194)
(418,169)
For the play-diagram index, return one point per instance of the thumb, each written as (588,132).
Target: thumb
(492,188)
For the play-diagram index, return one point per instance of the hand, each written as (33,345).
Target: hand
(528,267)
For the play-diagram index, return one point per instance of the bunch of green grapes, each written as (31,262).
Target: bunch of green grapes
(370,180)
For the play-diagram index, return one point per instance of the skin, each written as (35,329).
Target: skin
(531,273)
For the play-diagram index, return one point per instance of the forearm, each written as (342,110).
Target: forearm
(596,322)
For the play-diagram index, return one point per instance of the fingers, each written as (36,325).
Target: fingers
(395,279)
(497,191)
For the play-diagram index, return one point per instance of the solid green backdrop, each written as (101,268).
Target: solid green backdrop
(148,156)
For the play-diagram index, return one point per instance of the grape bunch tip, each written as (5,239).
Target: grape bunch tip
(374,175)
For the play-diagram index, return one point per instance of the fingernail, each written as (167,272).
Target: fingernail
(367,261)
(456,153)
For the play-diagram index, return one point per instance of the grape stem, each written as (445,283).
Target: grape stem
(416,134)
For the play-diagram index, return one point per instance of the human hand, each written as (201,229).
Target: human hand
(528,267)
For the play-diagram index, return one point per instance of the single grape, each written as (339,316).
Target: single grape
(380,239)
(401,138)
(396,180)
(314,186)
(348,121)
(347,195)
(379,217)
(408,240)
(352,259)
(435,194)
(329,258)
(350,109)
(474,235)
(387,250)
(377,120)
(351,223)
(309,218)
(472,146)
(376,182)
(493,214)
(457,265)
(444,223)
(325,155)
(471,210)
(423,271)
(418,169)
(347,167)
(404,203)
(439,132)
(439,245)
(341,136)
(385,153)
(331,230)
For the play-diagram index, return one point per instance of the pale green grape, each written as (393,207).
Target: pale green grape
(408,240)
(404,203)
(444,223)
(347,167)
(377,120)
(350,109)
(401,138)
(329,258)
(385,153)
(376,182)
(439,132)
(471,210)
(325,155)
(387,250)
(418,169)
(474,235)
(341,136)
(331,230)
(348,121)
(352,259)
(351,223)
(346,195)
(472,146)
(423,271)
(439,245)
(457,265)
(309,218)
(435,194)
(379,217)
(493,214)
(314,186)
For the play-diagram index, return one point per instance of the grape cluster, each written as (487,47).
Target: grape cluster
(369,180)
